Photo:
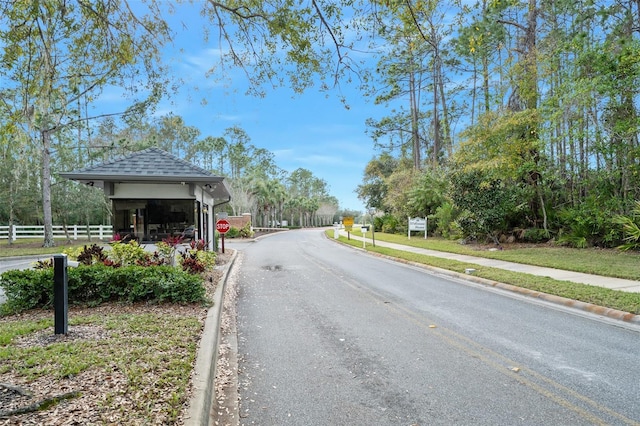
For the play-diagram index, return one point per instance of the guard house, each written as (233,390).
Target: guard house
(155,194)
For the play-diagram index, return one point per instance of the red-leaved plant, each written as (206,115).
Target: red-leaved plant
(198,244)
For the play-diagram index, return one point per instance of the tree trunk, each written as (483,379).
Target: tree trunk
(46,189)
(11,213)
(415,135)
(445,111)
(436,118)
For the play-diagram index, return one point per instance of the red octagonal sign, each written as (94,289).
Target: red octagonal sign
(222,226)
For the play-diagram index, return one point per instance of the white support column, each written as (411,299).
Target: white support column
(211,228)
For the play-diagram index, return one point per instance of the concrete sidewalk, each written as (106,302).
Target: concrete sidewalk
(557,274)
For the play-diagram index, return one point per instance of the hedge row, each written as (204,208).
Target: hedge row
(96,284)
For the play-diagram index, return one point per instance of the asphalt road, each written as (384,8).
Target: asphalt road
(328,335)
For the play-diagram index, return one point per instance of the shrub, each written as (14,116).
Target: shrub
(535,235)
(631,228)
(97,284)
(73,253)
(390,224)
(233,232)
(587,225)
(246,231)
(377,224)
(444,216)
(127,253)
(91,254)
(27,289)
(198,244)
(192,265)
(196,261)
(166,252)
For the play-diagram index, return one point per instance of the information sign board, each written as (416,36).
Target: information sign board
(417,224)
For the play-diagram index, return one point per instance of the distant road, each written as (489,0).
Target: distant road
(330,335)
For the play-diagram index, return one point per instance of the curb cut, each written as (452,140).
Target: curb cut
(204,374)
(558,300)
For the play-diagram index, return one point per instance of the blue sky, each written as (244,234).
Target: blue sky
(311,130)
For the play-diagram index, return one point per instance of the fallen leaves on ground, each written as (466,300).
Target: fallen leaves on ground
(132,387)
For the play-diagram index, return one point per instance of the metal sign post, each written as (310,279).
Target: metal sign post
(60,294)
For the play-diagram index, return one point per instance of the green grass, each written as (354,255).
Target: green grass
(608,263)
(623,301)
(33,247)
(149,355)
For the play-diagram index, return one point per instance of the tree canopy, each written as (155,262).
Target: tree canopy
(516,117)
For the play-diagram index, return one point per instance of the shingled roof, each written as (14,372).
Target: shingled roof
(150,165)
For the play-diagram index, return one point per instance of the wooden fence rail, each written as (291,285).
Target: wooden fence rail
(72,232)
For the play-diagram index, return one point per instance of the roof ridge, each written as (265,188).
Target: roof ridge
(151,161)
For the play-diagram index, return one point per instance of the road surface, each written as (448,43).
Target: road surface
(328,335)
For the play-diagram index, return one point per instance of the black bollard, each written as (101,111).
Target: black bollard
(60,298)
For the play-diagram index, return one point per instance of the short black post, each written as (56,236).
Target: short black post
(60,297)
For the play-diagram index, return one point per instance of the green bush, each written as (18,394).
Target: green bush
(387,223)
(97,284)
(233,232)
(535,235)
(197,261)
(246,231)
(589,224)
(377,224)
(27,289)
(445,215)
(631,228)
(127,253)
(488,205)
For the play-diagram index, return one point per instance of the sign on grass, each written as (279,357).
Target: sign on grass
(417,224)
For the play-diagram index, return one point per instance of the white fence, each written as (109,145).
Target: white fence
(72,232)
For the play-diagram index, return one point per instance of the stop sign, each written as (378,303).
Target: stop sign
(222,226)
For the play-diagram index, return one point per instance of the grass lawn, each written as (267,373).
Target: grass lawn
(28,247)
(608,263)
(118,365)
(561,258)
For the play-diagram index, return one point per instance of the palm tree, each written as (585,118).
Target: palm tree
(270,195)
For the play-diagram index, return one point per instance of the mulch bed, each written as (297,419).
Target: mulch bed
(79,400)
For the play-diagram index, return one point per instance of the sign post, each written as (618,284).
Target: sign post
(60,294)
(222,226)
(364,230)
(347,221)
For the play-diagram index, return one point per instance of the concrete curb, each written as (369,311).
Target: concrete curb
(570,303)
(204,374)
(33,258)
